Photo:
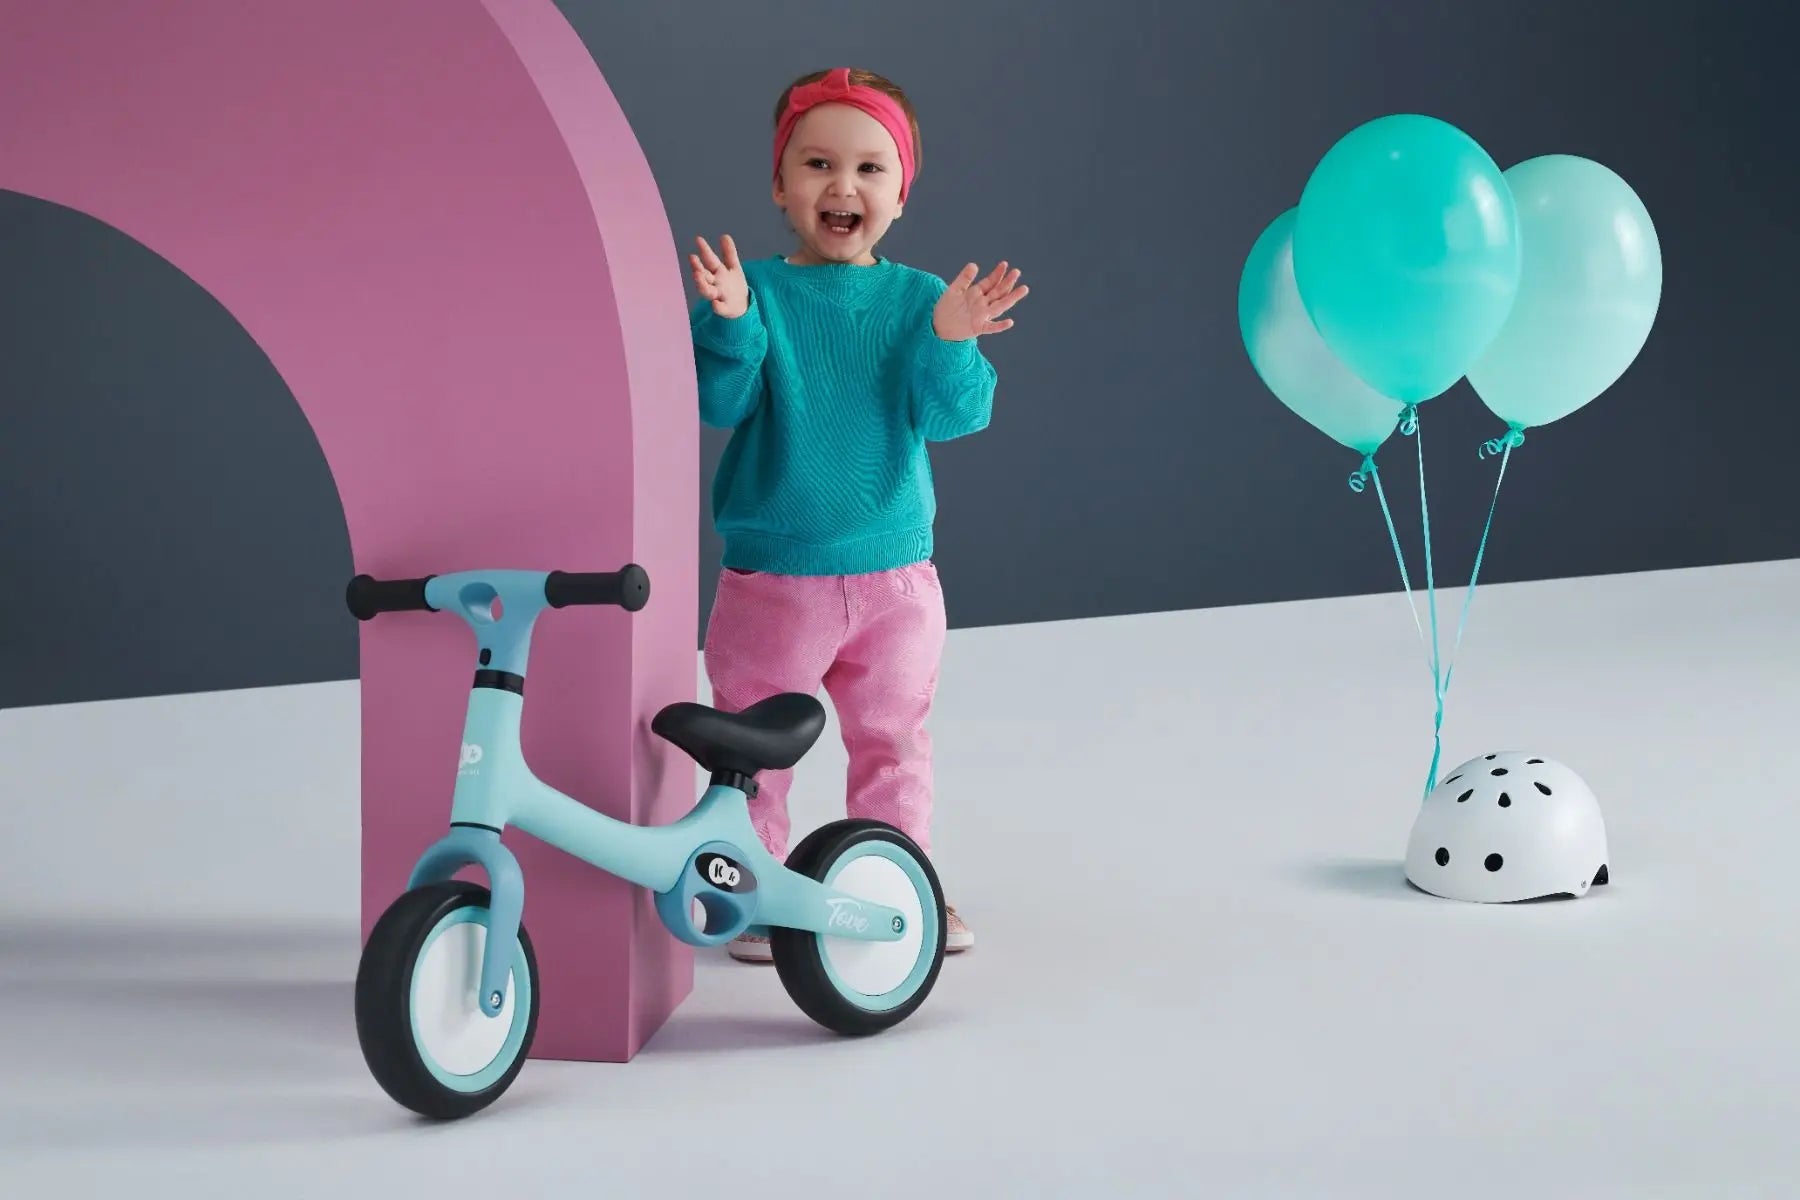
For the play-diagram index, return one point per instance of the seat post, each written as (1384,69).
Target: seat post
(735,779)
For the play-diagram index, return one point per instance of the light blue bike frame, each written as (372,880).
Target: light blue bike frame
(496,788)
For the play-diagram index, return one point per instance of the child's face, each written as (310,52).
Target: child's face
(839,160)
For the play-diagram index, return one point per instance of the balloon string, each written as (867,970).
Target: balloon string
(1514,436)
(1409,426)
(1370,471)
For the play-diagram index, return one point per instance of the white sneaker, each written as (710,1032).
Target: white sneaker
(957,936)
(749,947)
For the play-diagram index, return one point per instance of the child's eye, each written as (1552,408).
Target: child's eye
(873,167)
(817,162)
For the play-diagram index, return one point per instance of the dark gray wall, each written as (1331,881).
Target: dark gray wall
(169,524)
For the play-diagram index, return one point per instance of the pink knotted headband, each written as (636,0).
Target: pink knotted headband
(836,88)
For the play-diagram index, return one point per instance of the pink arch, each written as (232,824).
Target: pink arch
(434,219)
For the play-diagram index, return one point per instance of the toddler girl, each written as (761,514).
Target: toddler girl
(833,367)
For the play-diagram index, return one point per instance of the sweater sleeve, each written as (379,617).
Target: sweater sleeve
(728,361)
(950,385)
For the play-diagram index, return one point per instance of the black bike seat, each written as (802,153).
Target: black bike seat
(770,735)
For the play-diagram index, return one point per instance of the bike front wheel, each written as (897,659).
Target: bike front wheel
(855,987)
(423,1037)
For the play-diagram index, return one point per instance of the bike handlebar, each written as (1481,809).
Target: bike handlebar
(628,587)
(368,596)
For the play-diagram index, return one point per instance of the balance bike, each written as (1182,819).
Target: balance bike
(447,988)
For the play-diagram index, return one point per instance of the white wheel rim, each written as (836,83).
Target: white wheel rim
(446,980)
(877,968)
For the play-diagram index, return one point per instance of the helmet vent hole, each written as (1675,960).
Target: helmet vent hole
(1460,799)
(1451,780)
(1443,857)
(1494,862)
(1499,771)
(1533,761)
(1492,757)
(1600,876)
(1505,800)
(1540,787)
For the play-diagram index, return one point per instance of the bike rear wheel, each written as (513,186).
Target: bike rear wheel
(422,1035)
(848,985)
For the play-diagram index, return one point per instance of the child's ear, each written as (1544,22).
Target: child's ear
(777,193)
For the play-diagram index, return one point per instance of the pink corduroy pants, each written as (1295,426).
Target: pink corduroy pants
(873,642)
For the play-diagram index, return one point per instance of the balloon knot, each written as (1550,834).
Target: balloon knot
(1409,420)
(1358,480)
(1512,439)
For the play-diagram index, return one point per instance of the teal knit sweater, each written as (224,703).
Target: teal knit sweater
(832,383)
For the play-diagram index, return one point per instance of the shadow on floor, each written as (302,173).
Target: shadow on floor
(117,1062)
(164,1034)
(110,944)
(716,1033)
(216,1039)
(1385,879)
(1377,878)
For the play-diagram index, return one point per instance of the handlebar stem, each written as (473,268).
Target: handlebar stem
(504,641)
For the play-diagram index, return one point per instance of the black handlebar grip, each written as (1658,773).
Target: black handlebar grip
(367,596)
(628,587)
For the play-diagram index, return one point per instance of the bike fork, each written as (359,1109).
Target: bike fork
(469,845)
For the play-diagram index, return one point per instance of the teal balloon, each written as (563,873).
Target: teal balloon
(1292,358)
(1588,292)
(1406,250)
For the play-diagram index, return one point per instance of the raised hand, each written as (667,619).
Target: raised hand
(721,280)
(968,309)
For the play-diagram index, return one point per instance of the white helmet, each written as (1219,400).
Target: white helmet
(1508,827)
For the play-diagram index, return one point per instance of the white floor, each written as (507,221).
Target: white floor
(1200,972)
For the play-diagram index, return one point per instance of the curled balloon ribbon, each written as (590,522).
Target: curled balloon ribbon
(1513,438)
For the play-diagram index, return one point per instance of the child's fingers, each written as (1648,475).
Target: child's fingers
(1008,300)
(703,278)
(999,282)
(731,253)
(708,257)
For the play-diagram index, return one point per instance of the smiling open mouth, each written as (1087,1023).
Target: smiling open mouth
(839,222)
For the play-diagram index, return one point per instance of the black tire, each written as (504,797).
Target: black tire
(800,955)
(384,1024)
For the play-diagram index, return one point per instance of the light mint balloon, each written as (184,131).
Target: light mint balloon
(1406,252)
(1291,357)
(1588,292)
